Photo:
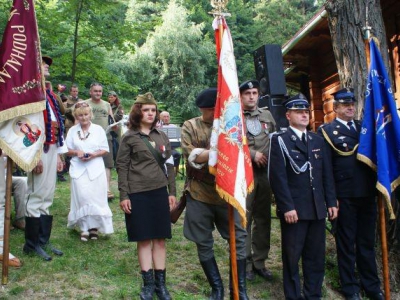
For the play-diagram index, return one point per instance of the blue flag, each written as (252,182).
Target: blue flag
(380,133)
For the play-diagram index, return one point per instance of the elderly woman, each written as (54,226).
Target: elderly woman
(118,113)
(146,183)
(87,143)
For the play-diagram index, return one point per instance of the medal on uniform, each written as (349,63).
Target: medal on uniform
(253,126)
(335,132)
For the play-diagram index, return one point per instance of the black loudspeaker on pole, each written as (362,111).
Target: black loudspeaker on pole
(268,63)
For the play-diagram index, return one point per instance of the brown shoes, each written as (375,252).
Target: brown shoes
(12,262)
(19,224)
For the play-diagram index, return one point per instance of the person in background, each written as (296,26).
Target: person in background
(42,179)
(205,210)
(165,120)
(302,181)
(103,116)
(259,125)
(118,113)
(146,183)
(87,143)
(355,189)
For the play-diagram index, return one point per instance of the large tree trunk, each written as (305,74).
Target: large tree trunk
(347,18)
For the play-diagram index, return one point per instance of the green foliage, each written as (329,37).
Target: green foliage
(174,60)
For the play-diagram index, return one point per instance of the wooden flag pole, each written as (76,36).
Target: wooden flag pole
(7,219)
(381,209)
(385,260)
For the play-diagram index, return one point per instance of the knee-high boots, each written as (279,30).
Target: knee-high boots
(46,224)
(210,268)
(241,270)
(32,246)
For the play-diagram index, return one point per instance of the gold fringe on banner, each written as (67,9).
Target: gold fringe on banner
(22,110)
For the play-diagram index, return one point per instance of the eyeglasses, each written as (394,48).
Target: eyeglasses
(81,104)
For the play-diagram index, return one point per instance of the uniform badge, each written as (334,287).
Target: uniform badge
(293,137)
(335,132)
(253,126)
(345,145)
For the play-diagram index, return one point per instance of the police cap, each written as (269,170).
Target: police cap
(345,95)
(297,102)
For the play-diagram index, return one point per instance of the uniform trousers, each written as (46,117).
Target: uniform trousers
(306,240)
(258,205)
(201,219)
(355,242)
(41,187)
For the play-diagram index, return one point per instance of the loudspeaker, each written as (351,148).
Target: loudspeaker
(277,110)
(268,63)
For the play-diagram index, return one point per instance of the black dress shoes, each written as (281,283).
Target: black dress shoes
(375,296)
(250,275)
(355,296)
(264,273)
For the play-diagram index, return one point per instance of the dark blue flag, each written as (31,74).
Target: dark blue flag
(380,133)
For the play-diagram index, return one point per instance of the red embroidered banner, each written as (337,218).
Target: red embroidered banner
(229,158)
(22,97)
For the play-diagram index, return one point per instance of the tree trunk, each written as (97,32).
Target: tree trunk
(75,50)
(347,18)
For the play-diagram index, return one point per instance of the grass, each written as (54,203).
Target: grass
(108,268)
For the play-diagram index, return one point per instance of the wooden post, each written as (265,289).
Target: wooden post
(7,219)
(232,246)
(385,261)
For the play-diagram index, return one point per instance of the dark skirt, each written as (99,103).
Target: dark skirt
(150,217)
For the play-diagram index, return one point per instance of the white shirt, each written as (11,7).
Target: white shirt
(299,133)
(96,140)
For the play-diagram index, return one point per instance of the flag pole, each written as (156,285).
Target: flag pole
(231,217)
(381,209)
(7,214)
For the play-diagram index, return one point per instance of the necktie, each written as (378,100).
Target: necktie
(303,139)
(350,124)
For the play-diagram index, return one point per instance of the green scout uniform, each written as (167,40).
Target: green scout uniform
(259,124)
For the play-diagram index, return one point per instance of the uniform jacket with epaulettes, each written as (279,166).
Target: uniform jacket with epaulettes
(353,178)
(309,196)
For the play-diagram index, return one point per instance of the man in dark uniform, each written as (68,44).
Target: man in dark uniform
(205,210)
(355,189)
(302,181)
(259,125)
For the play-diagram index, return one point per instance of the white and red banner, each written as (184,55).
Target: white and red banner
(229,158)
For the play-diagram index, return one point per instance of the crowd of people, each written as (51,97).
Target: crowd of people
(311,176)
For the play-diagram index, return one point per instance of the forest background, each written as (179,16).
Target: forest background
(166,46)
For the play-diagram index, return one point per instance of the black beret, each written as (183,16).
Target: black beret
(250,84)
(297,102)
(47,59)
(345,95)
(207,98)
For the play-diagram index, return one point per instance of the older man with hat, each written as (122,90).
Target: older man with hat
(302,181)
(355,189)
(205,210)
(42,179)
(259,125)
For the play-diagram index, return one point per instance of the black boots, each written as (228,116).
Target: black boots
(148,285)
(210,268)
(32,227)
(46,223)
(241,269)
(161,290)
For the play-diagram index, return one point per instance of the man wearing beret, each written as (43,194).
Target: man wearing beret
(205,210)
(302,181)
(42,179)
(102,115)
(259,125)
(355,189)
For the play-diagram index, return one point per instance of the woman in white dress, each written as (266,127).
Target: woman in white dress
(87,143)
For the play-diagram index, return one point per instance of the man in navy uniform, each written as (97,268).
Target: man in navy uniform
(301,179)
(259,125)
(355,189)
